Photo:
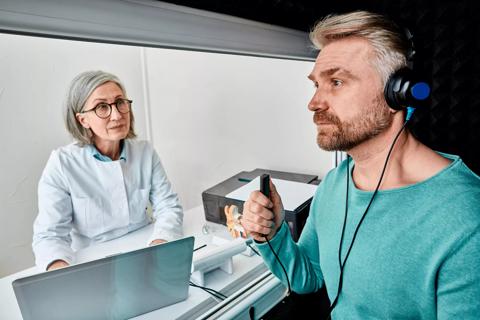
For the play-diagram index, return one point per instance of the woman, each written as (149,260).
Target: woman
(98,188)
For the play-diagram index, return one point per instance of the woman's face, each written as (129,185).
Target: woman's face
(113,128)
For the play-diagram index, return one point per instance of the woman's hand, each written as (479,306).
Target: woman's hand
(57,264)
(157,241)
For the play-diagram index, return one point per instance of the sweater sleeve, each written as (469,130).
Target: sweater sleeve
(167,211)
(52,226)
(301,260)
(458,290)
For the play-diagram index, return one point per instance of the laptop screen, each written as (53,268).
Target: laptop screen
(115,287)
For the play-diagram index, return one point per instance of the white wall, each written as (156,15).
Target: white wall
(216,115)
(211,116)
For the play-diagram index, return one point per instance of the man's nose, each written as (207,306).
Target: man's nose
(317,102)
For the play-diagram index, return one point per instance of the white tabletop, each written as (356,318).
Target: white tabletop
(198,302)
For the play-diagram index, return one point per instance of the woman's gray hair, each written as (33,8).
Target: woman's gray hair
(389,43)
(80,89)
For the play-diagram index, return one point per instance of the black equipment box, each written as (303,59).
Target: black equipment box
(214,199)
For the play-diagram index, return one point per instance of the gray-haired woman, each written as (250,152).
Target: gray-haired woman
(98,188)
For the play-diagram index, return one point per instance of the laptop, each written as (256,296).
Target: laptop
(116,287)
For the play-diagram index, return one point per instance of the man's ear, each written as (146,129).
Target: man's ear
(82,119)
(393,111)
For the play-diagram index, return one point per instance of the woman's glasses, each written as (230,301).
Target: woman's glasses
(104,110)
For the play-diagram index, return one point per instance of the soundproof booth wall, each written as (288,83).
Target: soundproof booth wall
(205,114)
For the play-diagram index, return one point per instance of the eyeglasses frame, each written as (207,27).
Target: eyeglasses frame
(94,109)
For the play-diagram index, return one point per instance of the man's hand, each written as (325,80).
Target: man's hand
(157,241)
(262,216)
(57,264)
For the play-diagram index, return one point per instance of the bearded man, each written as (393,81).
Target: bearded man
(394,230)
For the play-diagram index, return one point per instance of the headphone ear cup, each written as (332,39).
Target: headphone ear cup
(402,90)
(397,87)
(392,86)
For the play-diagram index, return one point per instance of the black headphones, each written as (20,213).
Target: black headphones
(403,88)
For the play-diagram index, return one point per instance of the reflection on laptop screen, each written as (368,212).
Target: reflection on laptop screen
(116,287)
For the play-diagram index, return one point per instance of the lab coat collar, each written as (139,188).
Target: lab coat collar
(97,155)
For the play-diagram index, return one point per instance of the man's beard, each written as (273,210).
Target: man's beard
(343,136)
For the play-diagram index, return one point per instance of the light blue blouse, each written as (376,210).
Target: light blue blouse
(85,199)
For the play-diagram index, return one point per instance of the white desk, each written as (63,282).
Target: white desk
(250,285)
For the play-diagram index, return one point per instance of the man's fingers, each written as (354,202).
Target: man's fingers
(258,197)
(258,220)
(254,227)
(258,210)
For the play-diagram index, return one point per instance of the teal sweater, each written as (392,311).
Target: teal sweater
(416,256)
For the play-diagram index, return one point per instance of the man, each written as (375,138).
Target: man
(400,244)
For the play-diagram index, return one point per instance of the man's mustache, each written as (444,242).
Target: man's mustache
(323,117)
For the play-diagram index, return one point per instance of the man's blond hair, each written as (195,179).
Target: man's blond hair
(390,44)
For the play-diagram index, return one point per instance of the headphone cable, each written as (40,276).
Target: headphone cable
(342,265)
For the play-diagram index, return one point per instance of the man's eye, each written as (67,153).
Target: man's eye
(336,82)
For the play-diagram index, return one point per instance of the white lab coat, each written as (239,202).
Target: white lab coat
(82,200)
